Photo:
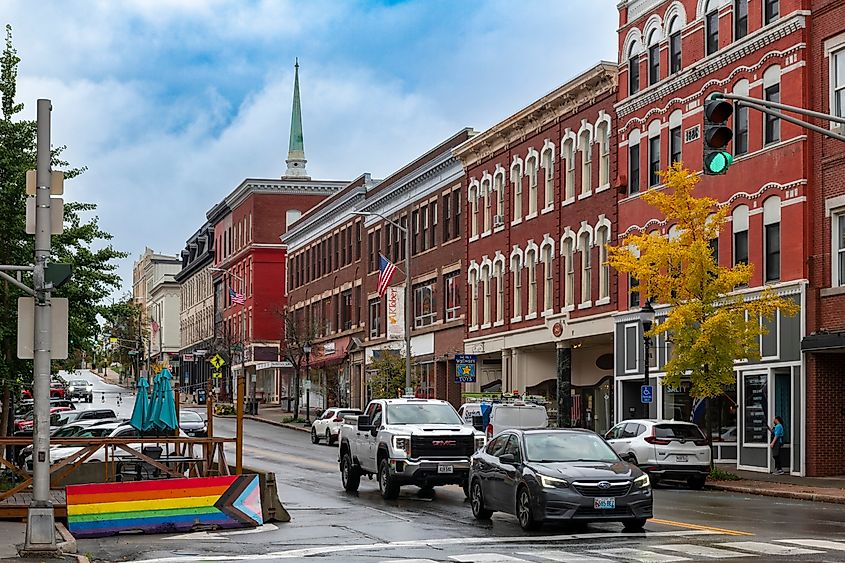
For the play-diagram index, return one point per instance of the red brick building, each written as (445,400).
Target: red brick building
(540,208)
(672,55)
(825,341)
(333,271)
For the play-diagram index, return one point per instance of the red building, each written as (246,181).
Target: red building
(825,341)
(672,55)
(541,207)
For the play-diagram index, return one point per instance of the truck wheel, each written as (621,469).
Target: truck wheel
(349,474)
(386,483)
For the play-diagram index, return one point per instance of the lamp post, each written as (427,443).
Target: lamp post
(408,304)
(307,350)
(647,320)
(241,392)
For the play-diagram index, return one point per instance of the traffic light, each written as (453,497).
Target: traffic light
(717,135)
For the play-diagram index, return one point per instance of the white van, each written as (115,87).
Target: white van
(504,416)
(469,410)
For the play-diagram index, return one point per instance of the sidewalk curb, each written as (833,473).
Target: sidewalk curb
(270,422)
(68,543)
(797,495)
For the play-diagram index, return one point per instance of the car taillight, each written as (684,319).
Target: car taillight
(489,431)
(701,442)
(657,441)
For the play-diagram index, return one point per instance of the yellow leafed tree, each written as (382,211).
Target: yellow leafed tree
(708,324)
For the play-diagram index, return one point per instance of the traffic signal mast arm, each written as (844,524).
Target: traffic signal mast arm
(770,108)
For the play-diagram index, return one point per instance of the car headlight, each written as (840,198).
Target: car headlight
(70,388)
(553,482)
(480,442)
(642,481)
(402,444)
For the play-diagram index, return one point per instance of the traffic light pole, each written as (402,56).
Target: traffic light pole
(769,108)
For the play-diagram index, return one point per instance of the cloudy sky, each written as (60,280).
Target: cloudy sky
(171,103)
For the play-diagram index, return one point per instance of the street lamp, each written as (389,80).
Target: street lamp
(408,305)
(307,350)
(647,320)
(241,391)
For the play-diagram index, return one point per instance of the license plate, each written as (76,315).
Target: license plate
(682,458)
(607,503)
(445,469)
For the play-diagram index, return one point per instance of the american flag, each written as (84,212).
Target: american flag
(237,298)
(386,269)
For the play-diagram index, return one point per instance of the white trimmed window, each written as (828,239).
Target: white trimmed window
(837,249)
(499,188)
(602,239)
(586,266)
(771,239)
(473,201)
(498,270)
(548,280)
(586,163)
(531,172)
(485,280)
(488,204)
(473,292)
(569,158)
(569,271)
(837,82)
(549,177)
(516,181)
(516,269)
(604,153)
(531,263)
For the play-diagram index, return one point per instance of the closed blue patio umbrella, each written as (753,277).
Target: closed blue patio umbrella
(141,411)
(165,413)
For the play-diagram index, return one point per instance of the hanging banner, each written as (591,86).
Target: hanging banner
(395,313)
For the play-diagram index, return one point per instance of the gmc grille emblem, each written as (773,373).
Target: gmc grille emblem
(444,443)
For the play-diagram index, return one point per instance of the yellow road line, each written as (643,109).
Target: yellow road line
(700,527)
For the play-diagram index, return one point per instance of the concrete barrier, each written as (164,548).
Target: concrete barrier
(272,508)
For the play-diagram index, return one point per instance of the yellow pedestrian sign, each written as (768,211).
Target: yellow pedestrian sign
(217,375)
(216,361)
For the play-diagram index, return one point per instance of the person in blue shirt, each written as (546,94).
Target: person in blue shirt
(777,443)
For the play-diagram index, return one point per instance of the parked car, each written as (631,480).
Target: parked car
(27,422)
(81,389)
(557,474)
(192,423)
(69,430)
(517,415)
(57,391)
(665,449)
(407,441)
(67,417)
(328,425)
(468,411)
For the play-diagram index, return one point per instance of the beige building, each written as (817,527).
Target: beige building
(154,287)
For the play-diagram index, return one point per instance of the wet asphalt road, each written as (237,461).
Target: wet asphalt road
(331,525)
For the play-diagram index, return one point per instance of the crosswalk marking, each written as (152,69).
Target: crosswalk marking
(640,555)
(767,548)
(566,556)
(701,551)
(822,544)
(485,558)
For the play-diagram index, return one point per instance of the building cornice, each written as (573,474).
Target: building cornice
(569,98)
(708,66)
(309,226)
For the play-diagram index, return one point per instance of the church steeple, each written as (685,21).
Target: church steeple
(296,149)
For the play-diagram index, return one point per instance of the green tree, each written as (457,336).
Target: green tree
(81,245)
(299,333)
(123,322)
(710,326)
(388,375)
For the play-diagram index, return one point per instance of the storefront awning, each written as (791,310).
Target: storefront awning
(830,343)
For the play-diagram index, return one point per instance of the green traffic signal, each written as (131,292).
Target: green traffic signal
(717,162)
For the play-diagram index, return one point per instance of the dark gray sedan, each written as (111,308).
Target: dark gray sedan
(557,474)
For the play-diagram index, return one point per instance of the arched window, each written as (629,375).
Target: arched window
(498,271)
(771,93)
(603,133)
(585,147)
(771,238)
(473,294)
(488,203)
(531,264)
(711,26)
(499,188)
(739,225)
(567,251)
(654,57)
(675,60)
(516,182)
(485,281)
(531,172)
(586,266)
(740,19)
(633,57)
(548,161)
(548,279)
(516,270)
(634,162)
(568,153)
(473,202)
(602,240)
(740,124)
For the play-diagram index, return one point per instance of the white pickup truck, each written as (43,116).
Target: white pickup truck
(407,441)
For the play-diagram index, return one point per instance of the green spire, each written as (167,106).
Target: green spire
(296,149)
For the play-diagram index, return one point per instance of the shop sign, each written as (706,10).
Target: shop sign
(465,368)
(395,313)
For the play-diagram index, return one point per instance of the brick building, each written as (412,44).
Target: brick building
(540,208)
(672,55)
(333,271)
(825,341)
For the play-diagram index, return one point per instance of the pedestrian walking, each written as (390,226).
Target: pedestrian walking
(777,443)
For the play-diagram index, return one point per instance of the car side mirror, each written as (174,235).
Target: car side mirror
(478,422)
(364,423)
(507,458)
(609,435)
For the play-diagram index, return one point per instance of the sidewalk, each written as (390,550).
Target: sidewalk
(821,489)
(111,376)
(269,414)
(14,534)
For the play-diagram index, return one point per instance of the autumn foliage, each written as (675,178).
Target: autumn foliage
(710,324)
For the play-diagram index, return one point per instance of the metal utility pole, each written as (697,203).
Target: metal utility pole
(40,524)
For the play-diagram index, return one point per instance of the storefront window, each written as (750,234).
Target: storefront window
(718,414)
(425,378)
(756,400)
(677,403)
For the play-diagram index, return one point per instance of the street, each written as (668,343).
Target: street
(331,525)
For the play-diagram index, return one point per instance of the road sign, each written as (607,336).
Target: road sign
(646,394)
(187,357)
(217,375)
(58,327)
(217,361)
(465,368)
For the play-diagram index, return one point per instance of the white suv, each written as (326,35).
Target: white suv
(665,449)
(328,425)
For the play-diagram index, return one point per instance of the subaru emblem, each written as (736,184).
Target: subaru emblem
(603,485)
